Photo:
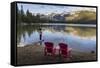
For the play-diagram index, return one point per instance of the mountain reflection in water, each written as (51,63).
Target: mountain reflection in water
(76,42)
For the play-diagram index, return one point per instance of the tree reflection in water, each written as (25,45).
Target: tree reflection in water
(77,37)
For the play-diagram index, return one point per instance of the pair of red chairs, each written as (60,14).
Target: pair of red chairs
(63,50)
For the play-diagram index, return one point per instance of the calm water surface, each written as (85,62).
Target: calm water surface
(78,38)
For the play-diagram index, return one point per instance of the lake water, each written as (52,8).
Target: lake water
(78,38)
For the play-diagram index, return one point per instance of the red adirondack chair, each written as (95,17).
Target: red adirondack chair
(49,49)
(64,50)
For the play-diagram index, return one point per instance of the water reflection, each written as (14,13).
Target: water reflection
(30,35)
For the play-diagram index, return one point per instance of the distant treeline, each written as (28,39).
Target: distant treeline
(84,17)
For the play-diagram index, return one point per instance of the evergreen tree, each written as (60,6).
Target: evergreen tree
(29,16)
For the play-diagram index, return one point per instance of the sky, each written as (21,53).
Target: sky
(47,9)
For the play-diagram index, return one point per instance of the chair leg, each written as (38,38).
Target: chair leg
(69,54)
(45,53)
(59,53)
(54,51)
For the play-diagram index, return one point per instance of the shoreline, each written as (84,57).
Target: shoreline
(34,54)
